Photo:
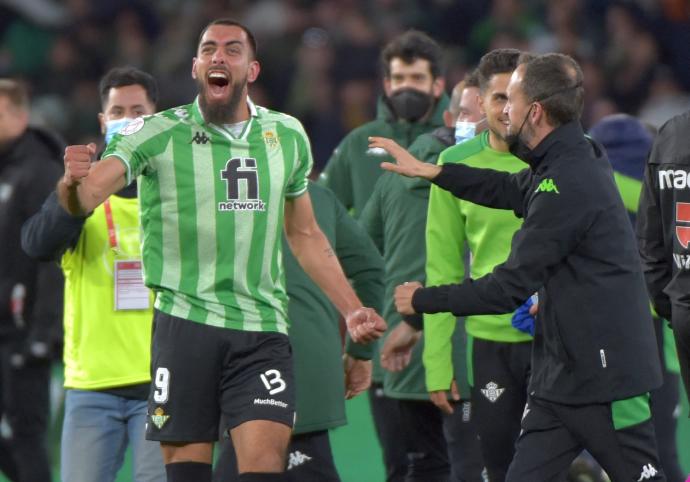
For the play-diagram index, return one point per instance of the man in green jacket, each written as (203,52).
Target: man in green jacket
(498,360)
(412,104)
(316,343)
(395,217)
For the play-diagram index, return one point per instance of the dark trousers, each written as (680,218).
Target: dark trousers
(665,407)
(554,434)
(386,414)
(462,439)
(499,393)
(25,399)
(310,459)
(428,453)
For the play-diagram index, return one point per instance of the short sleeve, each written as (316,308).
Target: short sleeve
(297,184)
(131,143)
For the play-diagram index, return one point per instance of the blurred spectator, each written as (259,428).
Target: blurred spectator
(630,56)
(507,18)
(619,42)
(30,294)
(666,99)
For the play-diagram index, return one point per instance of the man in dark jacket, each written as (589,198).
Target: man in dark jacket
(627,142)
(663,232)
(594,356)
(30,292)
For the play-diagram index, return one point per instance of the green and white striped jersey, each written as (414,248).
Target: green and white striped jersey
(212,212)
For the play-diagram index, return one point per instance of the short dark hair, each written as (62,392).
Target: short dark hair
(16,92)
(472,79)
(555,81)
(410,46)
(525,57)
(233,23)
(124,76)
(499,61)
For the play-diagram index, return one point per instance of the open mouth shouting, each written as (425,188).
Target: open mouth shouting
(218,84)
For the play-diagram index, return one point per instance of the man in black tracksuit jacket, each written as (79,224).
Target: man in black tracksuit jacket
(30,292)
(663,231)
(594,356)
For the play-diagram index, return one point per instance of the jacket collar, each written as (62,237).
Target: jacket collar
(561,138)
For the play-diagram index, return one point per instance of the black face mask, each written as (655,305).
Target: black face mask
(516,145)
(410,104)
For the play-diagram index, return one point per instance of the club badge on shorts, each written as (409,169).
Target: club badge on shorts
(159,417)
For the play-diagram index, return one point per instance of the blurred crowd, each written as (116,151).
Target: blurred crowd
(320,57)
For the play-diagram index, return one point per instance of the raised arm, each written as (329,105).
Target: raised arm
(316,256)
(487,187)
(494,189)
(86,184)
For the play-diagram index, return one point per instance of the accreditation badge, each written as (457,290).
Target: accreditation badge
(130,291)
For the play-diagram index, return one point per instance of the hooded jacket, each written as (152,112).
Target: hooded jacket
(395,218)
(29,170)
(353,169)
(594,340)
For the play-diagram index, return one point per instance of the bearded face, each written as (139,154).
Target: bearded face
(223,67)
(219,95)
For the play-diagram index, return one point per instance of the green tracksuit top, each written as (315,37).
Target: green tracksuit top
(395,218)
(353,169)
(452,226)
(314,322)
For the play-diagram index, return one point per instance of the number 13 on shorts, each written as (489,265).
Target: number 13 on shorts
(271,378)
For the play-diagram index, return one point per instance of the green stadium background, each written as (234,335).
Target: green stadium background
(357,453)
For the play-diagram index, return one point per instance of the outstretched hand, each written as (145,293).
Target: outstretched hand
(406,164)
(365,325)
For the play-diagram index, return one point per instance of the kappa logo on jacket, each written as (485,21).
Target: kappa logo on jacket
(547,185)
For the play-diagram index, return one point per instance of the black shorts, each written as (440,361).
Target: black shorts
(200,372)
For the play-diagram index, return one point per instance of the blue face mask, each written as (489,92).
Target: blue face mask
(112,127)
(464,131)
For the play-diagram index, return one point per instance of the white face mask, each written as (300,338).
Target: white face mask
(464,131)
(112,127)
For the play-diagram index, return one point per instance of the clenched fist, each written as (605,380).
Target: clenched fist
(78,161)
(403,297)
(365,325)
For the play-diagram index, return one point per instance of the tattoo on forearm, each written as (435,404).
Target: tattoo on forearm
(329,252)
